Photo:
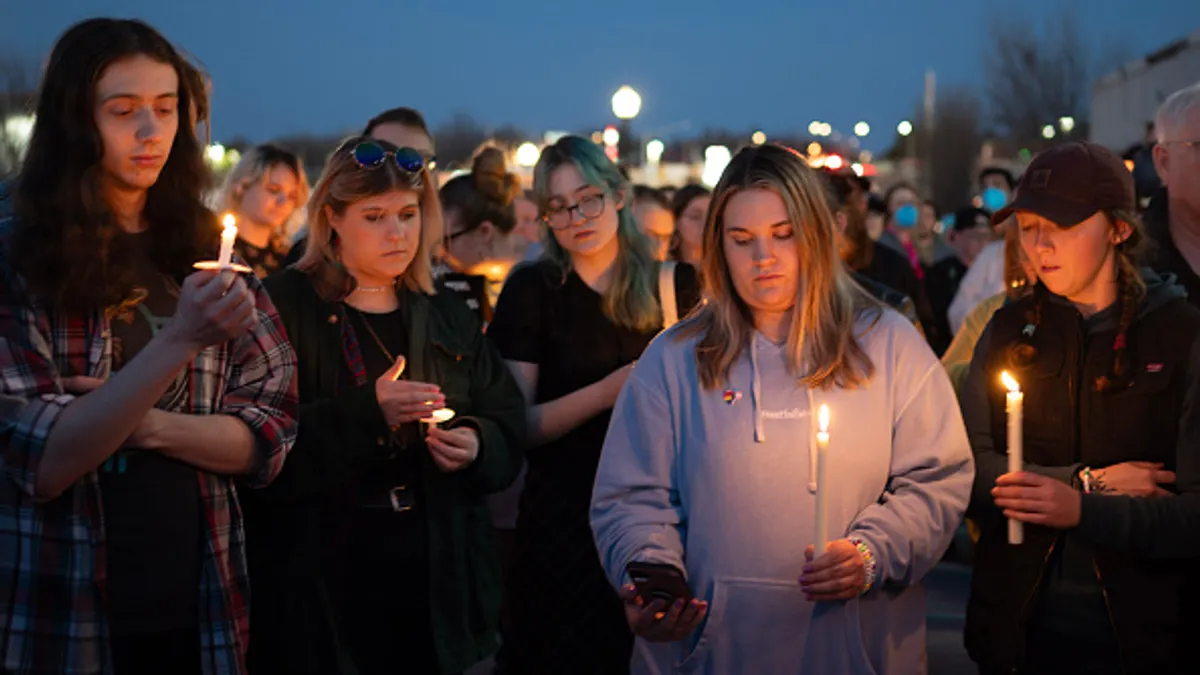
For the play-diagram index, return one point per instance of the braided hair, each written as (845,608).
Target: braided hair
(1130,292)
(1131,289)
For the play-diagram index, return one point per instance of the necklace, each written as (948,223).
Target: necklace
(371,289)
(374,336)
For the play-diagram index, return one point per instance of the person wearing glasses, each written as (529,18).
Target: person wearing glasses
(402,127)
(482,243)
(570,326)
(1173,217)
(373,552)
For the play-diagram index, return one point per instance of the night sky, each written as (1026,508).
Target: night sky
(326,66)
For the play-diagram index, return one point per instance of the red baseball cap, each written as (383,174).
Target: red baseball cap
(1070,182)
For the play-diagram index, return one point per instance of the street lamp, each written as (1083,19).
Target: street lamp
(826,128)
(527,155)
(862,129)
(758,138)
(216,153)
(654,151)
(1066,124)
(904,128)
(626,103)
(814,128)
(1048,131)
(716,158)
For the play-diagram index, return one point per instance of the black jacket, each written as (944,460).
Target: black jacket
(890,297)
(893,270)
(1068,424)
(291,525)
(1165,257)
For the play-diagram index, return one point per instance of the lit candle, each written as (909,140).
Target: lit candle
(438,416)
(228,237)
(1014,401)
(822,483)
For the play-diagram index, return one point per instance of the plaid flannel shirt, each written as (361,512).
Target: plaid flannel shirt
(52,619)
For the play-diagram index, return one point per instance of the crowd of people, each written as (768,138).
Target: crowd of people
(435,424)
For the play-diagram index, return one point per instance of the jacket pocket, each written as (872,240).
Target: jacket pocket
(754,626)
(856,652)
(452,366)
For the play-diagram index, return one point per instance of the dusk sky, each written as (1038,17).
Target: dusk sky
(326,66)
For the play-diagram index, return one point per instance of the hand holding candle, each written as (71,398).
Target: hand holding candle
(1014,402)
(822,538)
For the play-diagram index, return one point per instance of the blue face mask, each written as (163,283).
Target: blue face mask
(994,199)
(906,217)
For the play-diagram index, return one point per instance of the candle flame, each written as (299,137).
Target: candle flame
(1010,383)
(823,418)
(441,415)
(229,222)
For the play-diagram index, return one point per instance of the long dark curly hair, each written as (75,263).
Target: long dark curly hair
(66,242)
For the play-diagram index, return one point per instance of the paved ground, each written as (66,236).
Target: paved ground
(948,586)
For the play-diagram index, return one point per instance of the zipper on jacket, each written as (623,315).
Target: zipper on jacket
(1108,610)
(1037,583)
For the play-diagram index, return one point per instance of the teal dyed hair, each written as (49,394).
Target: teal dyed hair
(630,301)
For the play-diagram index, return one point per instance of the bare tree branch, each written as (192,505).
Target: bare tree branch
(955,147)
(1034,77)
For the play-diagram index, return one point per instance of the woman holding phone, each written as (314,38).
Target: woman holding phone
(702,471)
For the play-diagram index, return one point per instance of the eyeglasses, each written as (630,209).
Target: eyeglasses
(560,216)
(370,155)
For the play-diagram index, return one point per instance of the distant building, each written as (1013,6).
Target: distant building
(1124,101)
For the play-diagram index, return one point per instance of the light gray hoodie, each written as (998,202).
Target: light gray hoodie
(716,483)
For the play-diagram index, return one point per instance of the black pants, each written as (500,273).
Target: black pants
(507,538)
(176,652)
(388,607)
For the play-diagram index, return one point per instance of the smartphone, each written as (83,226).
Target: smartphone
(657,581)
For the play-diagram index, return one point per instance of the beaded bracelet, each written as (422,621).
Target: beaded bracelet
(870,564)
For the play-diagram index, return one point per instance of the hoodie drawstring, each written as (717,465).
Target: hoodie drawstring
(812,441)
(760,433)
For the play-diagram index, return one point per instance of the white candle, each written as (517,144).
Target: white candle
(822,484)
(228,237)
(1014,401)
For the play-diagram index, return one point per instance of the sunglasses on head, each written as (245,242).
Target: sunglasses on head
(370,155)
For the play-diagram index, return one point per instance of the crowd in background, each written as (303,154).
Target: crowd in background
(434,424)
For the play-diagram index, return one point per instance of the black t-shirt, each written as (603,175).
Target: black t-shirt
(151,503)
(264,261)
(558,323)
(401,466)
(893,270)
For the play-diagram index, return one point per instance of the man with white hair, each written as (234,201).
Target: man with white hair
(1173,217)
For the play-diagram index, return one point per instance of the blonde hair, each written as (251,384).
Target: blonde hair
(822,348)
(344,182)
(252,169)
